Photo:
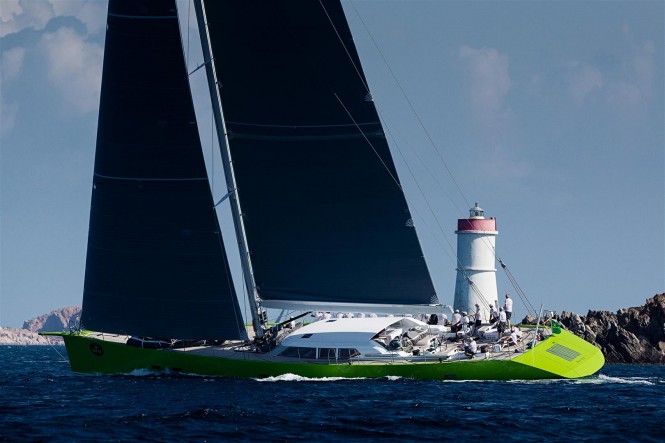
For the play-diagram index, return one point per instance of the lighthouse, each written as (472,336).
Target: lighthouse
(476,273)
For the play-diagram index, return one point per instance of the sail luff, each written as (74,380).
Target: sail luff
(248,276)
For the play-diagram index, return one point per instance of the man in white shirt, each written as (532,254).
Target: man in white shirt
(457,321)
(471,348)
(465,322)
(508,308)
(514,337)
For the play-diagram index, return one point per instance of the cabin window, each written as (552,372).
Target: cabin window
(298,352)
(327,353)
(307,335)
(348,353)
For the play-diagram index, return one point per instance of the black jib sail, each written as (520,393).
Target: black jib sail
(325,218)
(156,264)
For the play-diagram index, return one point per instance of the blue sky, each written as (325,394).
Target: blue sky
(549,114)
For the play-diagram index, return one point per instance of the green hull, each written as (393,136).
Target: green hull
(563,355)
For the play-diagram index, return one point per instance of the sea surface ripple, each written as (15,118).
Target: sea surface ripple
(41,400)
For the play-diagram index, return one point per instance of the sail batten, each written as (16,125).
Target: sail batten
(156,265)
(323,218)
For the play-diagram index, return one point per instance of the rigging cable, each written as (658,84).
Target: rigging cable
(459,264)
(422,125)
(415,113)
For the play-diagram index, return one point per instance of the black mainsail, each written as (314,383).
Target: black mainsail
(156,264)
(325,218)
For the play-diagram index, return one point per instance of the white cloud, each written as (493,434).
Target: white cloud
(74,67)
(91,13)
(583,79)
(10,9)
(16,15)
(7,117)
(634,90)
(627,88)
(490,81)
(12,62)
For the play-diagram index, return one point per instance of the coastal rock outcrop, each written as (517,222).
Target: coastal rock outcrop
(631,335)
(15,336)
(54,321)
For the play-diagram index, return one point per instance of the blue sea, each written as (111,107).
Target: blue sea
(41,400)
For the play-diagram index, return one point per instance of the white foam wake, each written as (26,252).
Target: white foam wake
(624,380)
(294,377)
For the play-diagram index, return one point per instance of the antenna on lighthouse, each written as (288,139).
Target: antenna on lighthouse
(476,273)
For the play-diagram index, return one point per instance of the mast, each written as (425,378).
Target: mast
(248,276)
(323,214)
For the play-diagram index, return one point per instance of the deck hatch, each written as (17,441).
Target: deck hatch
(563,352)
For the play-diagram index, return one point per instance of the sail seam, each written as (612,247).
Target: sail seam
(154,179)
(241,135)
(305,126)
(141,17)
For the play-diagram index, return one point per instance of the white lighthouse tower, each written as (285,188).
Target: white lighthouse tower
(476,273)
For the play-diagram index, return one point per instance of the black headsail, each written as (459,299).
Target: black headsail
(156,264)
(325,217)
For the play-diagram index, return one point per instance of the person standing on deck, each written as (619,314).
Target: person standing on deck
(477,322)
(457,321)
(501,326)
(508,308)
(465,322)
(494,314)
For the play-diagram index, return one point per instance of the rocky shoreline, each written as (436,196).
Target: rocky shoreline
(629,336)
(54,321)
(22,337)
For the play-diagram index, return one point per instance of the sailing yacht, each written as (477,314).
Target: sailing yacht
(320,218)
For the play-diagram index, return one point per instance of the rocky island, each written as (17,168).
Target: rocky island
(54,321)
(629,336)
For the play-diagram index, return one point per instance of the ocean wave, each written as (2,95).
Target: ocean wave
(294,377)
(602,378)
